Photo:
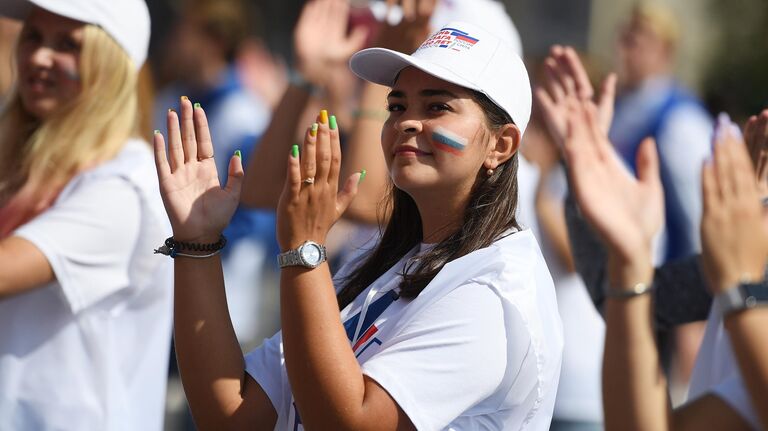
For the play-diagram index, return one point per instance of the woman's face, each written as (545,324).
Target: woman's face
(48,57)
(436,138)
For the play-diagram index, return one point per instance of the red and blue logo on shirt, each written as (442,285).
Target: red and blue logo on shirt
(450,38)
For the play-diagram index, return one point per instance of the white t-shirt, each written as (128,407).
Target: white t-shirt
(89,351)
(479,348)
(717,372)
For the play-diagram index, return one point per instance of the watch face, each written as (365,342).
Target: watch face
(311,254)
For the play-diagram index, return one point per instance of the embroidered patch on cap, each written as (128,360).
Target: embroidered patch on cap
(450,38)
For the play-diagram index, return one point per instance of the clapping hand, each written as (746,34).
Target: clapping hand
(198,207)
(321,41)
(566,78)
(734,226)
(626,212)
(311,201)
(756,136)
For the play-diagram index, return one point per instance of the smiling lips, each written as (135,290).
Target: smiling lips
(405,150)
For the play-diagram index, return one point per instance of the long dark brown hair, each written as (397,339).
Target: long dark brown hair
(488,215)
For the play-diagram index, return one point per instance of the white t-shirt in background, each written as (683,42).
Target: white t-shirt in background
(479,348)
(717,372)
(89,351)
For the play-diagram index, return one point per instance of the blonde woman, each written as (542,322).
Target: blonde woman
(84,308)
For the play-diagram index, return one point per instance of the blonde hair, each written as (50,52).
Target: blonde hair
(661,19)
(88,130)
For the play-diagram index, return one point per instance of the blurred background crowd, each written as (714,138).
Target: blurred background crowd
(255,67)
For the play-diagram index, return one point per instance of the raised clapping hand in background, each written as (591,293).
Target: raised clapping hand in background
(321,42)
(734,226)
(198,207)
(311,202)
(566,78)
(756,136)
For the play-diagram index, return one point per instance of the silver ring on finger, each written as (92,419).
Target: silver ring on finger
(309,180)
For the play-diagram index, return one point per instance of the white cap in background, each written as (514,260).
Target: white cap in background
(465,55)
(127,21)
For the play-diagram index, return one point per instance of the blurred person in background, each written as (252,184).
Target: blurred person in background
(201,55)
(84,306)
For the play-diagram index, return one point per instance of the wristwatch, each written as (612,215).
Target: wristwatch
(309,255)
(742,296)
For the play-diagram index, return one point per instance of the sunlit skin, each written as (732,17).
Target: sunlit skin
(48,59)
(439,181)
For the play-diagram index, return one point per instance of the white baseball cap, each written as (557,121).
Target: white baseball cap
(488,14)
(127,21)
(462,54)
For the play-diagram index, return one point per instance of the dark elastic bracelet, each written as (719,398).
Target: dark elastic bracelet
(298,80)
(174,248)
(636,290)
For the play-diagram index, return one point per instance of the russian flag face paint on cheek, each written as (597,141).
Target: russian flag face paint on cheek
(447,141)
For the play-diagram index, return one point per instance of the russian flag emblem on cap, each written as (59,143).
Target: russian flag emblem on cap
(450,38)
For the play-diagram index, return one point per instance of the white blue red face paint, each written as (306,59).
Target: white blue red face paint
(445,140)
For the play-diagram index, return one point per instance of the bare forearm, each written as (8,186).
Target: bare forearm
(748,339)
(551,215)
(634,386)
(209,357)
(266,169)
(326,379)
(364,152)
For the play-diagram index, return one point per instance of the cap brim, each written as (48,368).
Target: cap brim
(15,9)
(381,66)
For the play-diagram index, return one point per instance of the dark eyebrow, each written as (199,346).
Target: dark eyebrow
(423,93)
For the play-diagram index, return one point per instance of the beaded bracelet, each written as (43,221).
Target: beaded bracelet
(173,248)
(636,290)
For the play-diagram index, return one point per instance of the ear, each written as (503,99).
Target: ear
(507,142)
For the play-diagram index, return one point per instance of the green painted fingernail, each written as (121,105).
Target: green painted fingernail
(197,105)
(313,130)
(362,176)
(156,131)
(332,122)
(238,154)
(295,151)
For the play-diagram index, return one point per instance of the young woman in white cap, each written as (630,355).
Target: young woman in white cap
(450,322)
(85,309)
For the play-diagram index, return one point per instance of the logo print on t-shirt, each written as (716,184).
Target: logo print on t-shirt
(365,340)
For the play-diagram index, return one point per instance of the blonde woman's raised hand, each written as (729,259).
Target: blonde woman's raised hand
(756,136)
(198,207)
(734,225)
(321,41)
(311,201)
(626,212)
(566,78)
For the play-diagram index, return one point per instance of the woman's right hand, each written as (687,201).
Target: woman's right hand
(198,207)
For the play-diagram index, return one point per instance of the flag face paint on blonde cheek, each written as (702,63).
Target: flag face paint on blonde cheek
(447,141)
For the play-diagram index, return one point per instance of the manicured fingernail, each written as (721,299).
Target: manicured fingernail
(171,110)
(238,154)
(197,105)
(362,176)
(324,116)
(332,122)
(156,132)
(184,98)
(295,151)
(313,130)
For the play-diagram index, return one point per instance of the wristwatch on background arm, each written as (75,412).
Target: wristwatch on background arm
(309,255)
(742,296)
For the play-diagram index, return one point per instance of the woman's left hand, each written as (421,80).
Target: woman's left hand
(311,201)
